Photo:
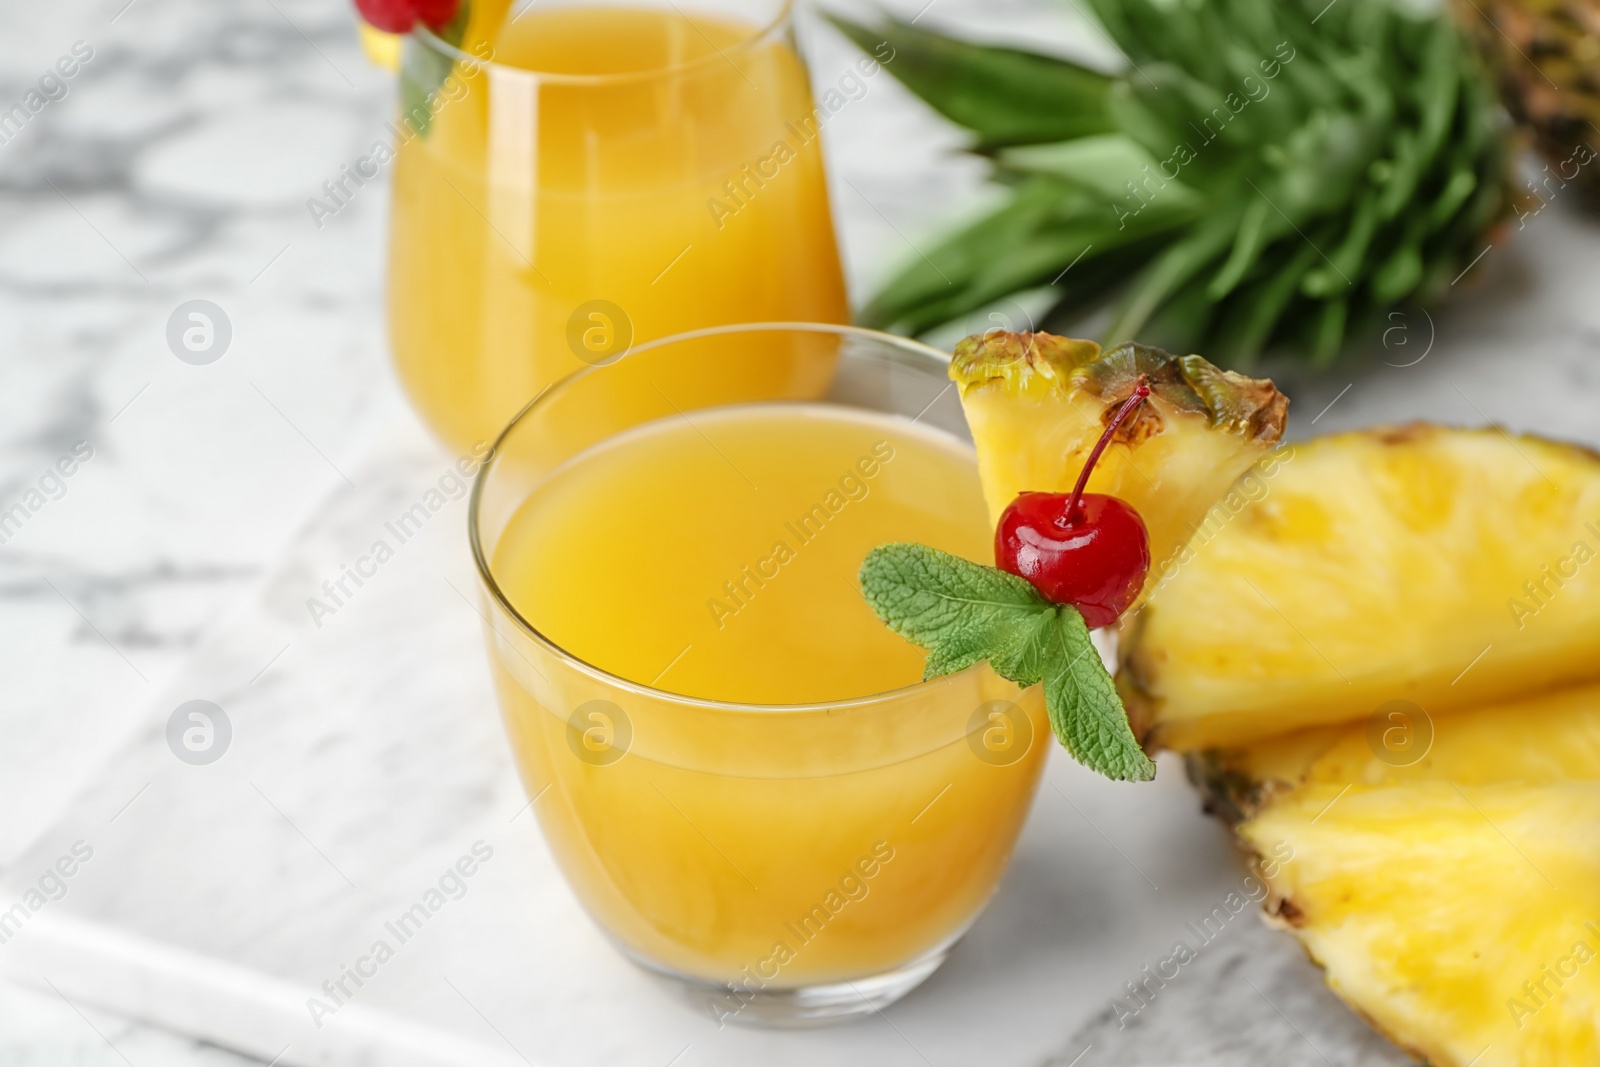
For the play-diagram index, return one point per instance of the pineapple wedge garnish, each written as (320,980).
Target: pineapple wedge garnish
(1449,568)
(1037,403)
(1455,900)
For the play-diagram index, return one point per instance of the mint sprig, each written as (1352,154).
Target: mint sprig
(423,70)
(964,613)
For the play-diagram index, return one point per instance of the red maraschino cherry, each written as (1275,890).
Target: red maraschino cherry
(1089,550)
(398,16)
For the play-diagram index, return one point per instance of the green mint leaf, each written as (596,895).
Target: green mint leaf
(423,71)
(960,611)
(963,613)
(1085,709)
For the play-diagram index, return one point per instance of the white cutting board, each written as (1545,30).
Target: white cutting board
(366,758)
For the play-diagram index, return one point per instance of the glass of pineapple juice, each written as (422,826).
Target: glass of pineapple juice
(577,176)
(738,768)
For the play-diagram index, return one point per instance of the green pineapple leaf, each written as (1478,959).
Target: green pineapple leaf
(1004,95)
(1258,176)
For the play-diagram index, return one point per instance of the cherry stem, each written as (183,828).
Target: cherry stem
(1074,505)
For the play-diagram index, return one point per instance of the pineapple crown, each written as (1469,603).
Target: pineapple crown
(1260,174)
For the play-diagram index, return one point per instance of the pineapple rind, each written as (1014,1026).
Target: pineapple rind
(1544,54)
(1025,364)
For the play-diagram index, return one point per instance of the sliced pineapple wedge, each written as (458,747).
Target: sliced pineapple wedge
(1037,404)
(1450,890)
(1537,740)
(1462,921)
(1432,891)
(1449,568)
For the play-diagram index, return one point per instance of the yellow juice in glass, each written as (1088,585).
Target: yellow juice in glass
(849,827)
(597,176)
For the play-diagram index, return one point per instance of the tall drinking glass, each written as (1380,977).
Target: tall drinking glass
(737,766)
(574,177)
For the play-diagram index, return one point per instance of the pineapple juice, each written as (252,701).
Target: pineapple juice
(614,174)
(792,844)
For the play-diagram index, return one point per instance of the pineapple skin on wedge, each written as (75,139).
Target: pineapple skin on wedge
(1448,568)
(1037,404)
(1454,901)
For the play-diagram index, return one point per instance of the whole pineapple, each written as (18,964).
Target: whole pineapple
(1546,54)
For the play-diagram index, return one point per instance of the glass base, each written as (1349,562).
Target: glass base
(800,1007)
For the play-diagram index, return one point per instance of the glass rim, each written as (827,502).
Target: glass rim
(907,345)
(425,36)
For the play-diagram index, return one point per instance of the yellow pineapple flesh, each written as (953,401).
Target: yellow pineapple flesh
(1451,893)
(1448,568)
(1462,920)
(1535,740)
(1383,669)
(1037,404)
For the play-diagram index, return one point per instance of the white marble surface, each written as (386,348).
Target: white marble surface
(367,755)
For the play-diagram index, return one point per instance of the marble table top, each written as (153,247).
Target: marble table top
(207,501)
